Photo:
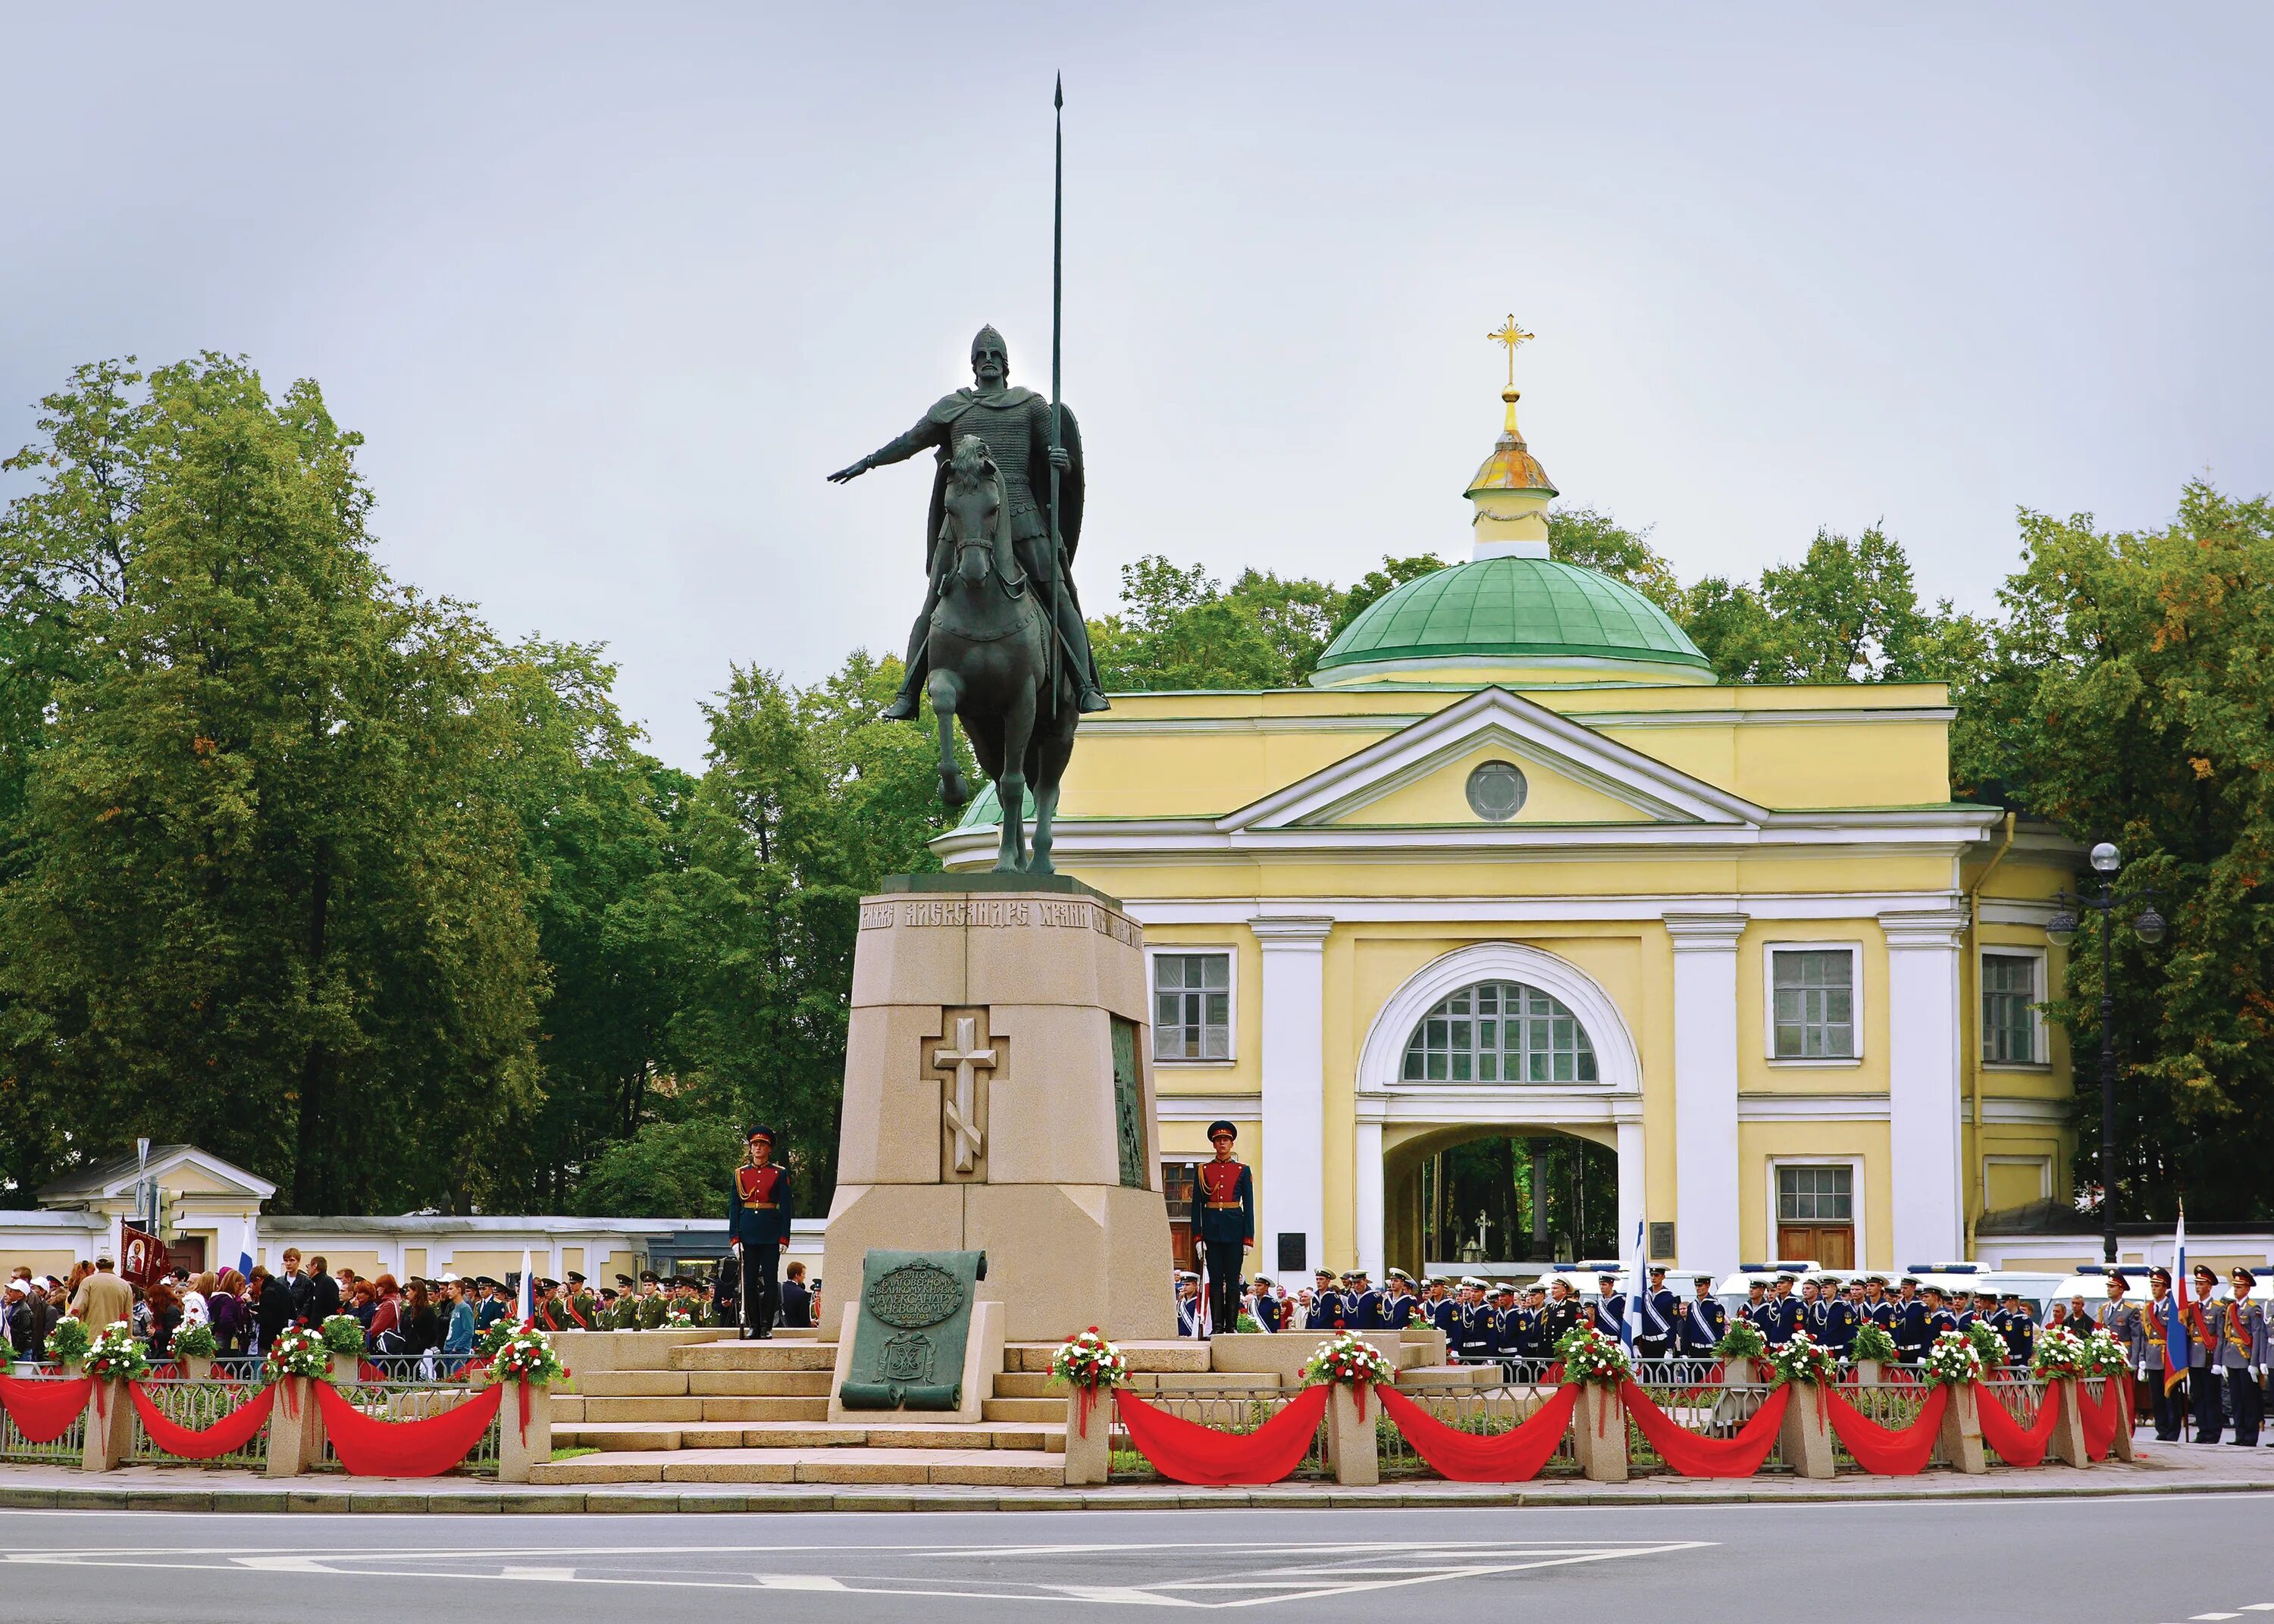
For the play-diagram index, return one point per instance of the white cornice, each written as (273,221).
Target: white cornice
(1812,1108)
(2017,1112)
(1518,910)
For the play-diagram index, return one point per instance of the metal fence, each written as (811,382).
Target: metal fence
(1229,1407)
(419,1401)
(2021,1394)
(196,1405)
(1694,1397)
(1891,1404)
(64,1451)
(428,1368)
(1486,1410)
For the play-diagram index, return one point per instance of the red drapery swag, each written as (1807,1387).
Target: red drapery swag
(43,1410)
(372,1448)
(2101,1420)
(2016,1444)
(1886,1451)
(1513,1456)
(1708,1457)
(1190,1453)
(233,1431)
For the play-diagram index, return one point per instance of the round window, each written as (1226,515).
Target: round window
(1496,791)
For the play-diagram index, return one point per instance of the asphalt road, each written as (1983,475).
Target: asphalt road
(2012,1560)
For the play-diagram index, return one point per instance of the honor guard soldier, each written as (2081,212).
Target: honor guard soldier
(2019,1327)
(623,1314)
(1781,1315)
(1223,1200)
(1507,1328)
(759,1210)
(1325,1302)
(578,1304)
(1659,1310)
(1188,1302)
(1477,1344)
(550,1316)
(1445,1313)
(2242,1349)
(1909,1327)
(651,1306)
(1878,1307)
(1835,1325)
(1704,1322)
(1368,1311)
(1937,1317)
(1811,1305)
(2202,1355)
(1608,1311)
(1560,1318)
(1754,1311)
(2163,1384)
(1270,1307)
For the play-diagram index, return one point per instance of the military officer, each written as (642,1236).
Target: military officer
(2202,1355)
(1835,1325)
(492,1306)
(652,1308)
(1559,1317)
(1325,1302)
(578,1304)
(2019,1326)
(1659,1310)
(1909,1327)
(1223,1223)
(550,1315)
(1782,1314)
(2155,1325)
(760,1207)
(2243,1348)
(1704,1321)
(1608,1314)
(1369,1311)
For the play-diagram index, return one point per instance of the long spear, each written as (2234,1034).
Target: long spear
(1058,299)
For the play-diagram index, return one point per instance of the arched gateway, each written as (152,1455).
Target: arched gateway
(1500,1039)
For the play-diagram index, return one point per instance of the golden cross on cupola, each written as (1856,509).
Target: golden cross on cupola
(1511,335)
(962,1108)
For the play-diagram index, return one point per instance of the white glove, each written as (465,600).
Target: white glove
(2141,1372)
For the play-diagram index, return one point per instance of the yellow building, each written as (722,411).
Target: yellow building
(1516,866)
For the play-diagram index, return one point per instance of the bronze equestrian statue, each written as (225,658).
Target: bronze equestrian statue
(981,646)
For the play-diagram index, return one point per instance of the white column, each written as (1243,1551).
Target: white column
(1371,1216)
(1923,1083)
(1292,1199)
(1705,1088)
(1633,1203)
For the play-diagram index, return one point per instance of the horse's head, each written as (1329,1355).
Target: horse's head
(973,501)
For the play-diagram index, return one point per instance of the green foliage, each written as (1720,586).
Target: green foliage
(2126,699)
(666,1169)
(1596,541)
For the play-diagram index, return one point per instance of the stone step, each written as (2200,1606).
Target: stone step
(567,1406)
(993,1467)
(1183,1354)
(640,1436)
(592,1352)
(758,1384)
(632,1384)
(1025,1384)
(804,1354)
(642,1409)
(764,1409)
(1024,1410)
(1212,1381)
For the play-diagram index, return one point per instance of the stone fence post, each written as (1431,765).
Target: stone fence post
(1089,1451)
(518,1451)
(1351,1446)
(296,1428)
(1961,1441)
(1804,1438)
(2067,1445)
(109,1426)
(1598,1433)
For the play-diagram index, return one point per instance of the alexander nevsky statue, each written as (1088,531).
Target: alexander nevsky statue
(1014,427)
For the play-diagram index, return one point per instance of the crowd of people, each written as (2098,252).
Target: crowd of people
(413,1317)
(2229,1344)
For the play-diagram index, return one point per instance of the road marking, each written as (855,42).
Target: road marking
(800,1581)
(561,1573)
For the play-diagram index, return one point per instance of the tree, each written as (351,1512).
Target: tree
(667,1169)
(2126,699)
(265,900)
(1594,540)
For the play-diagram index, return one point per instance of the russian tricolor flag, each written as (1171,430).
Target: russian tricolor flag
(2182,1314)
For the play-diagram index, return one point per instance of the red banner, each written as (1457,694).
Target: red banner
(1513,1456)
(225,1436)
(1883,1450)
(141,1257)
(2101,1420)
(1708,1457)
(2016,1444)
(43,1410)
(369,1448)
(1190,1453)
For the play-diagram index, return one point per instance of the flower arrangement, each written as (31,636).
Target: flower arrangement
(341,1333)
(67,1343)
(1988,1343)
(1803,1358)
(526,1353)
(678,1319)
(297,1352)
(1346,1357)
(1588,1355)
(1741,1340)
(116,1355)
(196,1342)
(2060,1352)
(1953,1360)
(1873,1342)
(2105,1356)
(1089,1361)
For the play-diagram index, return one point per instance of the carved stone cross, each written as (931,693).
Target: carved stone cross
(962,1110)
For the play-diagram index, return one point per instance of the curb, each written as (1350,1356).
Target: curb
(384,1502)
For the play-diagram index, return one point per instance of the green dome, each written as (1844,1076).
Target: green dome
(1513,608)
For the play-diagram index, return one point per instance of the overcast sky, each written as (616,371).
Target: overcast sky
(611,289)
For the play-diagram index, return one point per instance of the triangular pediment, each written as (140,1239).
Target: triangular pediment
(1419,776)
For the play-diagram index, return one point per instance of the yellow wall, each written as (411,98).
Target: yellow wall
(1442,796)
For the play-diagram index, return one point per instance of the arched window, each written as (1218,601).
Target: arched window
(1499,1032)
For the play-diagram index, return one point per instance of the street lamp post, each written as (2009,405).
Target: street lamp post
(2062,931)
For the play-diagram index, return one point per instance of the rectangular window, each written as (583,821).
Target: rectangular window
(2009,1022)
(1192,1006)
(1816,1195)
(1813,1003)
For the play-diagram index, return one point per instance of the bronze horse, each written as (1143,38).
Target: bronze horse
(992,662)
